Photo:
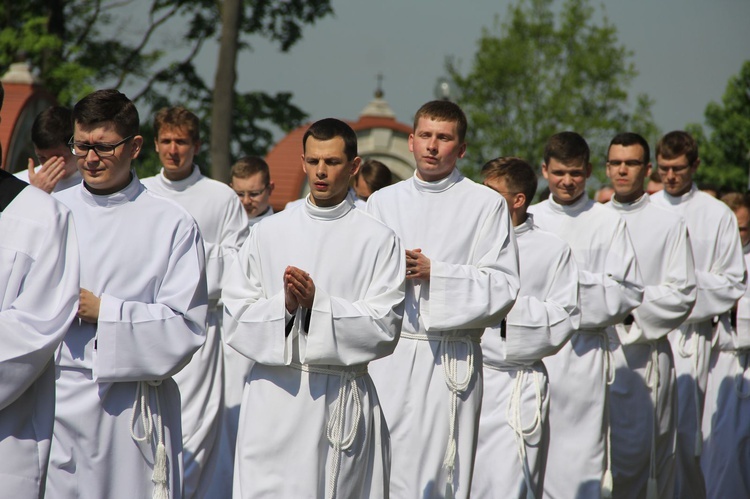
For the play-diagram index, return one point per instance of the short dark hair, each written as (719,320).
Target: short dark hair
(329,128)
(177,117)
(52,127)
(519,175)
(250,165)
(108,106)
(569,148)
(627,139)
(675,144)
(443,110)
(736,200)
(375,174)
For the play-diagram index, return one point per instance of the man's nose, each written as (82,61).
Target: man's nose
(92,156)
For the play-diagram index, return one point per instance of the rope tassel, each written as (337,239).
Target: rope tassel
(142,399)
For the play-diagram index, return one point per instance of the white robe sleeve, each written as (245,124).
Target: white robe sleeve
(537,327)
(255,324)
(666,305)
(234,231)
(342,332)
(724,283)
(39,286)
(608,297)
(138,341)
(476,295)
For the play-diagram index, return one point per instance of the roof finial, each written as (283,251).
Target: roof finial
(379,91)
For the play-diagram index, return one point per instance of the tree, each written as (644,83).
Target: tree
(539,73)
(81,45)
(725,151)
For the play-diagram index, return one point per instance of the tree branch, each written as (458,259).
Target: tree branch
(155,75)
(146,37)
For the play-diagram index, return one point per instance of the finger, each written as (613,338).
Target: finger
(31,166)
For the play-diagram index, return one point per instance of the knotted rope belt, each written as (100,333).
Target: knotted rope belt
(142,405)
(515,419)
(348,391)
(449,356)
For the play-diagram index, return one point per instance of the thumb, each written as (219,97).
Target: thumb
(31,166)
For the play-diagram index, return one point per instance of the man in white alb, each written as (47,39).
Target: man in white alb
(720,276)
(317,293)
(38,299)
(223,225)
(578,463)
(726,415)
(142,315)
(462,276)
(513,426)
(251,181)
(643,398)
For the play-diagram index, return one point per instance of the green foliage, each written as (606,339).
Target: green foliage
(539,73)
(725,150)
(77,46)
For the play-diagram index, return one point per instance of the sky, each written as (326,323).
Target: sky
(684,50)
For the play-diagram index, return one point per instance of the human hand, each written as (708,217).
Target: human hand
(299,288)
(49,174)
(88,306)
(417,265)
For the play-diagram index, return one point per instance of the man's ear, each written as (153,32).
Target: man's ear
(137,145)
(519,200)
(545,173)
(356,163)
(462,150)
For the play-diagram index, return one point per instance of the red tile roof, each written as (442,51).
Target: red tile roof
(285,164)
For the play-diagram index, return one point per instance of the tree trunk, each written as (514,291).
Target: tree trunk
(223,97)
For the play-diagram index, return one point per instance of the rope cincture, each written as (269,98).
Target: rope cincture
(652,382)
(159,476)
(609,377)
(693,352)
(449,358)
(348,391)
(515,418)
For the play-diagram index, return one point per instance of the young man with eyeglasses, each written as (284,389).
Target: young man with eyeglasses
(578,463)
(50,133)
(141,316)
(643,446)
(251,180)
(223,225)
(720,276)
(39,284)
(513,426)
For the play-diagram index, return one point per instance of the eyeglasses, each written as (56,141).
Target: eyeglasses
(630,163)
(251,194)
(81,149)
(675,169)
